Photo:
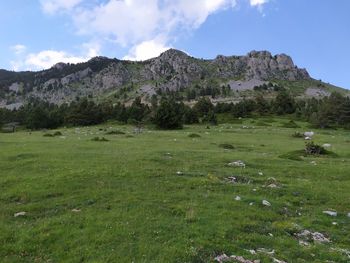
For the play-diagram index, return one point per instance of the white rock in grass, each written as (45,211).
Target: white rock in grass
(76,210)
(334,223)
(251,203)
(238,163)
(309,134)
(20,214)
(179,173)
(330,213)
(327,145)
(238,198)
(349,215)
(266,203)
(261,173)
(222,258)
(275,260)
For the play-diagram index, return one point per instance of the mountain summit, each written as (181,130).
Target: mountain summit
(173,70)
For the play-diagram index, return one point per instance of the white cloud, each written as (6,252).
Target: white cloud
(137,23)
(52,6)
(134,21)
(146,50)
(18,49)
(258,3)
(47,58)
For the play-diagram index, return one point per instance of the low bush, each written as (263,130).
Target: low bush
(194,135)
(226,146)
(98,139)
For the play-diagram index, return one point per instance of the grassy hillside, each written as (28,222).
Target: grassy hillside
(164,196)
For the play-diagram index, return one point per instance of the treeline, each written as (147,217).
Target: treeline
(168,113)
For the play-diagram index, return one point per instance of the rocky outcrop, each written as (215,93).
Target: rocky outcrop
(172,70)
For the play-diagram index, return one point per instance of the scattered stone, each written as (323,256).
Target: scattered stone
(254,190)
(251,251)
(179,173)
(238,163)
(330,213)
(349,215)
(275,260)
(20,214)
(303,243)
(232,179)
(313,162)
(317,237)
(270,234)
(76,210)
(251,203)
(272,186)
(238,198)
(334,223)
(233,258)
(327,145)
(266,203)
(222,258)
(266,251)
(261,173)
(308,138)
(309,134)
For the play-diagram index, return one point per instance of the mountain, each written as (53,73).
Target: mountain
(172,71)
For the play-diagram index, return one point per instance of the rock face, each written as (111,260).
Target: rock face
(172,70)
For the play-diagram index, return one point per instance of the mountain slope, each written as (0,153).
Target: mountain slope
(173,70)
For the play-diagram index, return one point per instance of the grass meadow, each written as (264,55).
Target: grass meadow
(164,196)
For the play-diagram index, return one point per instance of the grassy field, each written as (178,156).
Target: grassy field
(163,196)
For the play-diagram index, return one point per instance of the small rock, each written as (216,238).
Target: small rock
(330,213)
(313,162)
(254,190)
(327,145)
(232,179)
(75,210)
(261,173)
(238,163)
(266,251)
(20,214)
(349,215)
(275,260)
(222,258)
(272,186)
(334,223)
(266,203)
(251,203)
(179,173)
(270,234)
(238,198)
(303,243)
(308,138)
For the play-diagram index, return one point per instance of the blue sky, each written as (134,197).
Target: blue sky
(36,34)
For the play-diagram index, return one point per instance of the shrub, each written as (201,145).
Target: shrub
(314,149)
(194,135)
(48,135)
(290,124)
(297,135)
(226,146)
(115,133)
(57,133)
(98,139)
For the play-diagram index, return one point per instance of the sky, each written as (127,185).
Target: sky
(36,34)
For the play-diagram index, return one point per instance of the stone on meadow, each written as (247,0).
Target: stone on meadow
(238,198)
(238,163)
(330,213)
(20,214)
(266,203)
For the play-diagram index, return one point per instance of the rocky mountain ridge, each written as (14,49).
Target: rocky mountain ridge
(173,70)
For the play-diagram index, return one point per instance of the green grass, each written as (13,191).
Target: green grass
(162,196)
